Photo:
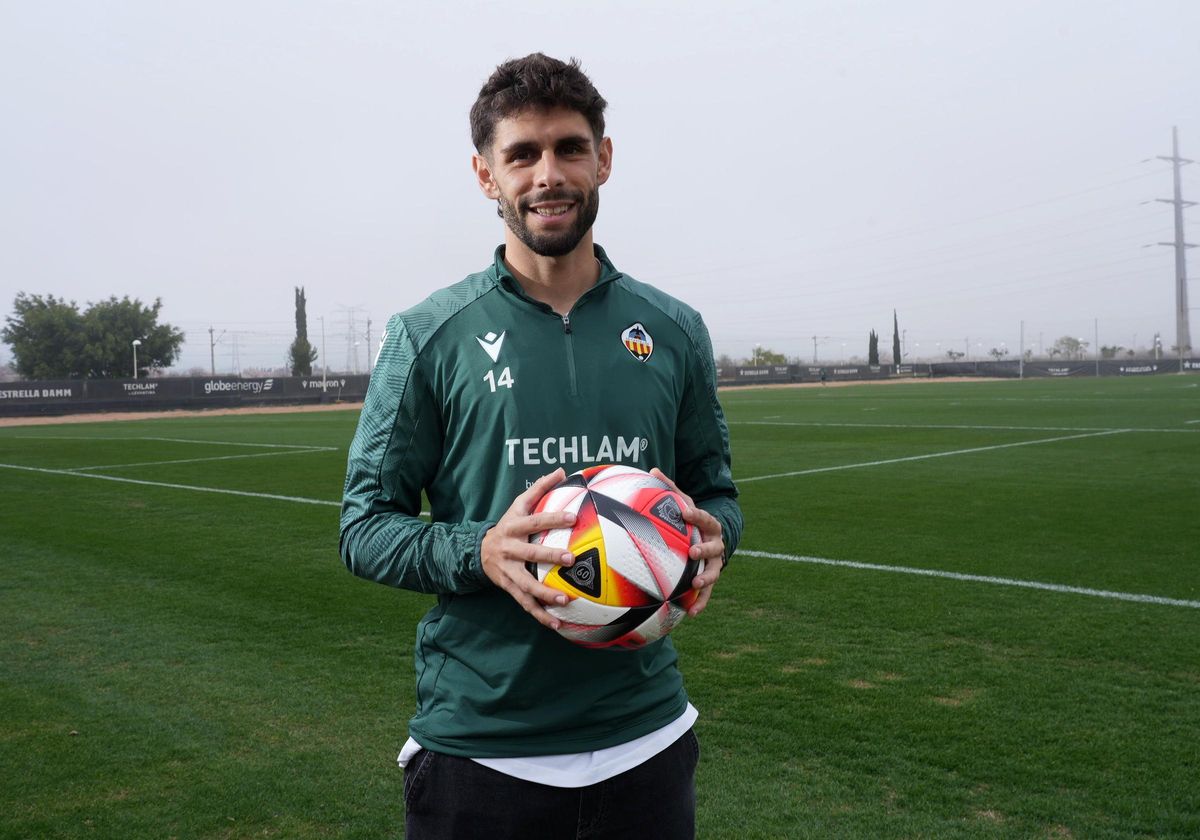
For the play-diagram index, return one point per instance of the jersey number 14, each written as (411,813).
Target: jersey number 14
(504,380)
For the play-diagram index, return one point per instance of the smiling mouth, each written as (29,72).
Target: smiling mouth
(551,211)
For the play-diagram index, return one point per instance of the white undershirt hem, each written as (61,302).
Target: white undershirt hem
(572,770)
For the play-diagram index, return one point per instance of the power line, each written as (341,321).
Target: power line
(902,234)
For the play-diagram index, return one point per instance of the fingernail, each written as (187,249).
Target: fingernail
(569,518)
(568,559)
(561,599)
(554,625)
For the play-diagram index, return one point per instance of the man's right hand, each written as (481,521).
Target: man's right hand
(506,549)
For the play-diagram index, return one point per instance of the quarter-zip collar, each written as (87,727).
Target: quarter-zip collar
(508,282)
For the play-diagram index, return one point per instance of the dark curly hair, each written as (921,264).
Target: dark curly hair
(535,81)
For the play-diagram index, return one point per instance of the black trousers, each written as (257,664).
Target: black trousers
(451,798)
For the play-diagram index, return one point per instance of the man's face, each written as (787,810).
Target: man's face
(545,169)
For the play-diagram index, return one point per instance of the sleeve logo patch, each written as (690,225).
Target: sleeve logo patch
(638,342)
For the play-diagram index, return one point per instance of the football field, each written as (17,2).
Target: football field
(959,610)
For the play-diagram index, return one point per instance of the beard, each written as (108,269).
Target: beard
(560,243)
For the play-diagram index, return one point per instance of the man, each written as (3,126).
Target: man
(484,396)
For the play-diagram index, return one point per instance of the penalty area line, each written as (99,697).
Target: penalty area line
(193,487)
(928,456)
(196,460)
(995,581)
(304,447)
(767,421)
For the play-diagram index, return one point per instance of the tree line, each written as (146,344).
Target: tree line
(53,338)
(1067,348)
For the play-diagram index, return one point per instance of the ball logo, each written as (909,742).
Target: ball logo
(585,574)
(638,342)
(668,511)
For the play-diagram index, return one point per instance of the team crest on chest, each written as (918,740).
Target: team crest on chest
(638,342)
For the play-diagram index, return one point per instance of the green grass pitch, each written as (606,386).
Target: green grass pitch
(183,654)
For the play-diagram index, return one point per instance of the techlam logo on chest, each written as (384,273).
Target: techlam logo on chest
(577,449)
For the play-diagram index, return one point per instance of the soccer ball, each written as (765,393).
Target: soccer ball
(631,582)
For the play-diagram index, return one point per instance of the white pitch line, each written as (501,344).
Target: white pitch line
(220,490)
(928,456)
(1190,422)
(1052,587)
(239,443)
(181,440)
(200,460)
(952,426)
(194,487)
(997,581)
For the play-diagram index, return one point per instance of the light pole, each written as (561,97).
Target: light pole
(137,342)
(757,347)
(212,351)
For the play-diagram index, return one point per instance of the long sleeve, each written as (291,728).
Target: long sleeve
(395,454)
(702,455)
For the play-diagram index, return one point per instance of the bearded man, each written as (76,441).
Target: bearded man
(484,396)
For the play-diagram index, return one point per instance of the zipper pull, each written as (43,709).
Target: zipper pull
(566,319)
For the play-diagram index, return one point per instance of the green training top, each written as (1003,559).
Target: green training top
(477,392)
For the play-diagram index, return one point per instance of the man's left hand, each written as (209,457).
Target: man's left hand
(710,549)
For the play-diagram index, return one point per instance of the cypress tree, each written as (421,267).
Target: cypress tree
(895,339)
(301,355)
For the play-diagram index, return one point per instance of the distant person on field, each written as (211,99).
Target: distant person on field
(484,396)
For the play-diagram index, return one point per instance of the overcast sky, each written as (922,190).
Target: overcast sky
(790,169)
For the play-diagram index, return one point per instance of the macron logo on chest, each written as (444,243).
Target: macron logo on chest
(491,344)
